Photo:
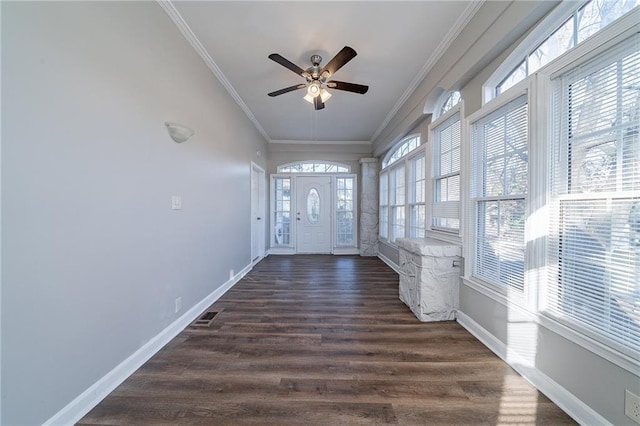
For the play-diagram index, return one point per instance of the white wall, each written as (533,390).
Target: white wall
(93,257)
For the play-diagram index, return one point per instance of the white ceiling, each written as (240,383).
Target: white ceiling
(396,42)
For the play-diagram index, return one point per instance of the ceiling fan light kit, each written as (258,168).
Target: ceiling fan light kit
(314,89)
(317,77)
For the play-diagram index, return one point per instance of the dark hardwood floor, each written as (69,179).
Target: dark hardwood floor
(323,340)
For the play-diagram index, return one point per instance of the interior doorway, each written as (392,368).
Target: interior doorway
(258,226)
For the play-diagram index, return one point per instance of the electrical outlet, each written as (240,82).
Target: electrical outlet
(178,304)
(632,406)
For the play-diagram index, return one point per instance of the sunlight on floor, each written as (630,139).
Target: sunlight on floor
(518,404)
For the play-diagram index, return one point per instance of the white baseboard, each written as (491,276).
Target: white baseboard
(88,399)
(564,399)
(389,263)
(345,251)
(281,250)
(258,259)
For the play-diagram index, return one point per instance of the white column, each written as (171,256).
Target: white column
(369,207)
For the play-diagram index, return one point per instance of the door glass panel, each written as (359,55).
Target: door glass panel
(344,212)
(282,213)
(313,205)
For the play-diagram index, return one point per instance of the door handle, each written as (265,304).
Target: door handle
(258,218)
(298,218)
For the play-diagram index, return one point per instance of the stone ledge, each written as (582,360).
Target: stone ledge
(430,247)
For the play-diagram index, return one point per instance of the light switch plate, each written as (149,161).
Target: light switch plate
(176,202)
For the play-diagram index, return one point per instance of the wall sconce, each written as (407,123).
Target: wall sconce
(178,132)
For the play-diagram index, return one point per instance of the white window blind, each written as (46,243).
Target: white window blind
(397,201)
(384,205)
(417,197)
(594,250)
(445,210)
(499,188)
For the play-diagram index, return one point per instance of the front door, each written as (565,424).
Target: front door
(313,214)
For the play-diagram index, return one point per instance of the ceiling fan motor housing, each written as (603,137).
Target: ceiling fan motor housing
(316,59)
(314,71)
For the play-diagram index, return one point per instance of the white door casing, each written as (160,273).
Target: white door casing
(257,212)
(313,214)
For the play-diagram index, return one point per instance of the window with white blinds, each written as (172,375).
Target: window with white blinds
(397,202)
(417,206)
(594,239)
(499,188)
(445,210)
(402,191)
(384,206)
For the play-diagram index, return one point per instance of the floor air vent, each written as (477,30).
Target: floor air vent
(205,319)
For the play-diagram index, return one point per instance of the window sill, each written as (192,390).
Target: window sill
(450,237)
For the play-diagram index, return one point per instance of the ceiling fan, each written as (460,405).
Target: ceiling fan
(318,77)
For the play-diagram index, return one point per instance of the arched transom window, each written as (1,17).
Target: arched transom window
(568,25)
(314,167)
(452,100)
(409,144)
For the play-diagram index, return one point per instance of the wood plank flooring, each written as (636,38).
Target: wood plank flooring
(323,340)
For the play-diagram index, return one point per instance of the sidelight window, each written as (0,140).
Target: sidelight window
(282,211)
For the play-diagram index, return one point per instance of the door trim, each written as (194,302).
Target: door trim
(260,208)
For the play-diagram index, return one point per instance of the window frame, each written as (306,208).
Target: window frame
(354,211)
(397,189)
(572,328)
(502,293)
(273,209)
(540,34)
(389,161)
(383,206)
(281,168)
(537,221)
(413,203)
(434,150)
(404,162)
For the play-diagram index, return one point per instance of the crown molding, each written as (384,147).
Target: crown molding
(177,19)
(308,142)
(453,33)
